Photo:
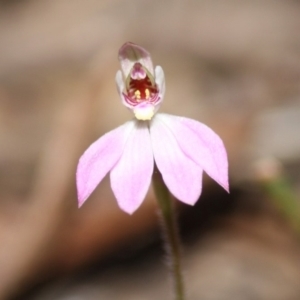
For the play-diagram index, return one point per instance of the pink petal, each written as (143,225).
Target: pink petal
(160,80)
(120,82)
(99,159)
(121,87)
(130,53)
(181,175)
(131,177)
(202,145)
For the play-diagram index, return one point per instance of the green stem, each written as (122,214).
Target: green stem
(171,235)
(285,199)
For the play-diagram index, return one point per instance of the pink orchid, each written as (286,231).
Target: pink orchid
(181,148)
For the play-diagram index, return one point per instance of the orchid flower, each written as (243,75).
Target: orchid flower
(181,148)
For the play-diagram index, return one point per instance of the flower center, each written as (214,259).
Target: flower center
(140,86)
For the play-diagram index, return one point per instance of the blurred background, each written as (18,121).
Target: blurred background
(234,65)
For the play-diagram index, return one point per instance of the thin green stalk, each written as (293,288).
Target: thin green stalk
(171,236)
(285,199)
(271,176)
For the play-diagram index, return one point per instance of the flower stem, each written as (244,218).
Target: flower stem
(171,236)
